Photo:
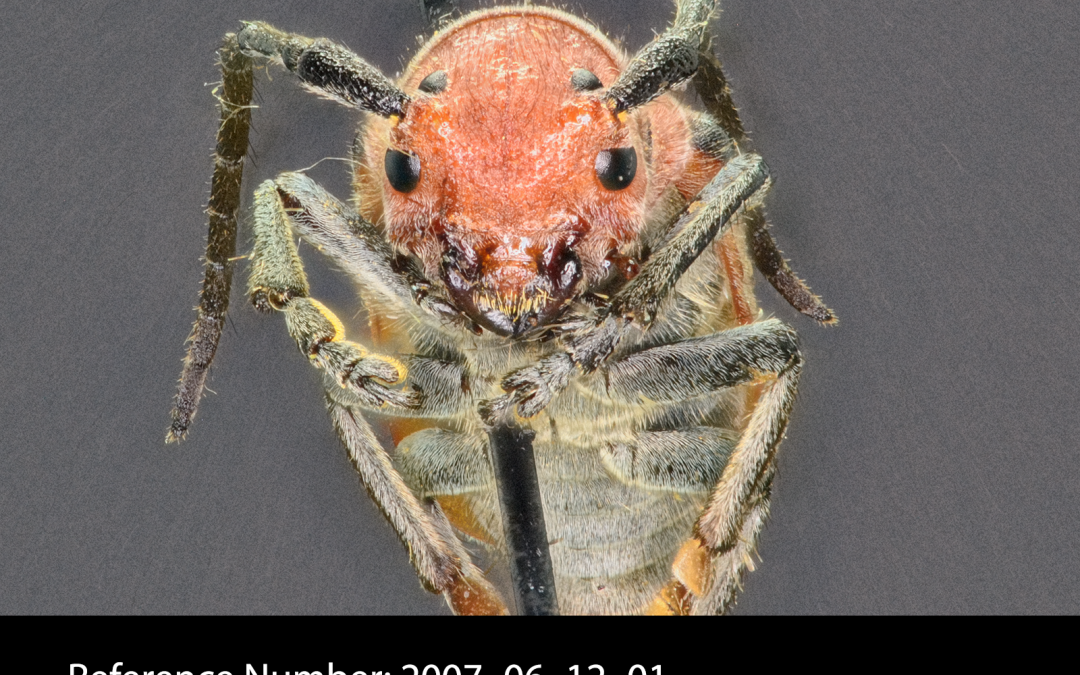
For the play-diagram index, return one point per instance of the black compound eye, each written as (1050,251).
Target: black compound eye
(616,167)
(402,170)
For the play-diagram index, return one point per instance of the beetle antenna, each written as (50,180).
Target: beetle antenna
(234,102)
(326,67)
(666,61)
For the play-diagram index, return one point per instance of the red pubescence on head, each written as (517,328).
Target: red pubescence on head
(508,211)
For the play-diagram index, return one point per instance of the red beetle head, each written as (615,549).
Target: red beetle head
(508,177)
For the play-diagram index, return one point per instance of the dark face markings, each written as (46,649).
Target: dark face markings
(585,80)
(434,83)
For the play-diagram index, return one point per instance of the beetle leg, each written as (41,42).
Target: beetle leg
(716,136)
(714,145)
(278,282)
(360,249)
(741,183)
(770,261)
(721,579)
(439,394)
(326,67)
(437,12)
(764,353)
(703,365)
(440,559)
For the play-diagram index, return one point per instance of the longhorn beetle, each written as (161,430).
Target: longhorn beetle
(557,259)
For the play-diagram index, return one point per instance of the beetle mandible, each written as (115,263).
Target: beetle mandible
(557,258)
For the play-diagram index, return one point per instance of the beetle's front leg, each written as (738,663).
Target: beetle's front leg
(741,183)
(358,248)
(277,282)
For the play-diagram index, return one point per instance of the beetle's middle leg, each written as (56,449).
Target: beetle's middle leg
(766,354)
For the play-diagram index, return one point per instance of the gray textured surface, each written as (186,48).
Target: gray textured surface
(926,156)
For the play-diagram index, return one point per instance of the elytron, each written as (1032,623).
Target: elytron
(557,257)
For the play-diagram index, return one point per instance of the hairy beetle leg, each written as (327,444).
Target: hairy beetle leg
(766,354)
(278,282)
(742,182)
(440,559)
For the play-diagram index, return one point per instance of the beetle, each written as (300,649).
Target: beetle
(557,258)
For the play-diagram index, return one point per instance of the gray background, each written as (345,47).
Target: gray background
(926,155)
